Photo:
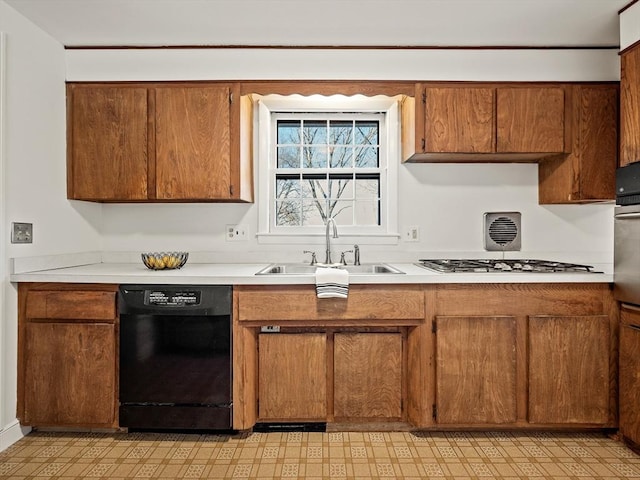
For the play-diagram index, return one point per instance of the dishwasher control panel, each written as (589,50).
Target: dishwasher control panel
(172,298)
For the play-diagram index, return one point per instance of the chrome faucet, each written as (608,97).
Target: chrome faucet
(330,221)
(356,255)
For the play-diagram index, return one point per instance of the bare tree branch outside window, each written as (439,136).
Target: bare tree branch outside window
(327,168)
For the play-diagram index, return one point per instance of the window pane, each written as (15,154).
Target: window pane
(366,133)
(288,213)
(341,133)
(367,189)
(342,188)
(341,157)
(313,212)
(287,188)
(315,157)
(315,188)
(342,212)
(288,157)
(367,213)
(314,133)
(289,132)
(367,157)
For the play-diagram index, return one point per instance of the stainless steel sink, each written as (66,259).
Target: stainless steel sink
(306,269)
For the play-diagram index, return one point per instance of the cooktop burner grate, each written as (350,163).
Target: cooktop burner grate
(502,266)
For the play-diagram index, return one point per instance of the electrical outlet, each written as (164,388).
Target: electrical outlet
(236,233)
(270,329)
(412,234)
(21,232)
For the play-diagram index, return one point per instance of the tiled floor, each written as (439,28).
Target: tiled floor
(319,455)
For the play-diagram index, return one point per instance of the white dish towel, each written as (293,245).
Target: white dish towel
(332,282)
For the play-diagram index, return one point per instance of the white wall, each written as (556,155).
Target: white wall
(447,202)
(630,26)
(34,189)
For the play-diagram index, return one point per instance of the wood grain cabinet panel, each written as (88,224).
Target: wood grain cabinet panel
(459,120)
(587,174)
(193,151)
(569,369)
(368,376)
(107,143)
(630,373)
(70,305)
(69,374)
(292,376)
(476,370)
(630,106)
(530,120)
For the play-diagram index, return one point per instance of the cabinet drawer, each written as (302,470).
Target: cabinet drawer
(70,305)
(365,304)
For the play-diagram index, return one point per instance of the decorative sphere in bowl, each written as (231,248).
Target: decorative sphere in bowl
(164,260)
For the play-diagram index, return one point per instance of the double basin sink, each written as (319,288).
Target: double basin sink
(306,269)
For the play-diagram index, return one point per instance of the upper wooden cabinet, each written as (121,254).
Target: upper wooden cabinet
(485,123)
(587,174)
(158,142)
(630,106)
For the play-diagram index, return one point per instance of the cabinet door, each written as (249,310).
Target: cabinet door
(630,373)
(476,370)
(569,369)
(292,376)
(587,174)
(107,143)
(368,376)
(630,106)
(459,120)
(70,374)
(530,120)
(193,146)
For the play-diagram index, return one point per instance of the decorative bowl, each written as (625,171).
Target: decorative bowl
(164,260)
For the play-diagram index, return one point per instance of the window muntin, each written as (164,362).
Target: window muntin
(328,165)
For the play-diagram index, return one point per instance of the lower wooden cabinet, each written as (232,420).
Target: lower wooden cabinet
(70,376)
(630,374)
(475,370)
(367,376)
(67,342)
(292,376)
(569,369)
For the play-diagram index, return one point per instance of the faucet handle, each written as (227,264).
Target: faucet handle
(342,259)
(314,260)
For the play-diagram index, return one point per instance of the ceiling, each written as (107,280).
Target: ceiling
(403,23)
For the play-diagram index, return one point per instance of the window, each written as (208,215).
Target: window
(324,159)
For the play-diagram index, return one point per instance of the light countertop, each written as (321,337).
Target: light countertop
(245,274)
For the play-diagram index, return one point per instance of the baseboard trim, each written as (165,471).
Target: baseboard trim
(11,434)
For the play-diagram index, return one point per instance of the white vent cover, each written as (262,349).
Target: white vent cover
(502,231)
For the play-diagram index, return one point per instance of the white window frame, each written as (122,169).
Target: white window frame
(265,162)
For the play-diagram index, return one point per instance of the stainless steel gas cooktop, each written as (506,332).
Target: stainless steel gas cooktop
(502,266)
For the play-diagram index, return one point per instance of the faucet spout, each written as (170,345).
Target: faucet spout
(330,221)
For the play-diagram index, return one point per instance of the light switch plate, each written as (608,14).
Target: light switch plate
(21,232)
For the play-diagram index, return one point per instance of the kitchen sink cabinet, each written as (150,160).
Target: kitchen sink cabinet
(630,106)
(333,360)
(292,379)
(475,370)
(67,355)
(486,123)
(587,174)
(630,374)
(158,142)
(569,369)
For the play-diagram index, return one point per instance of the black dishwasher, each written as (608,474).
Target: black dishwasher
(175,357)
